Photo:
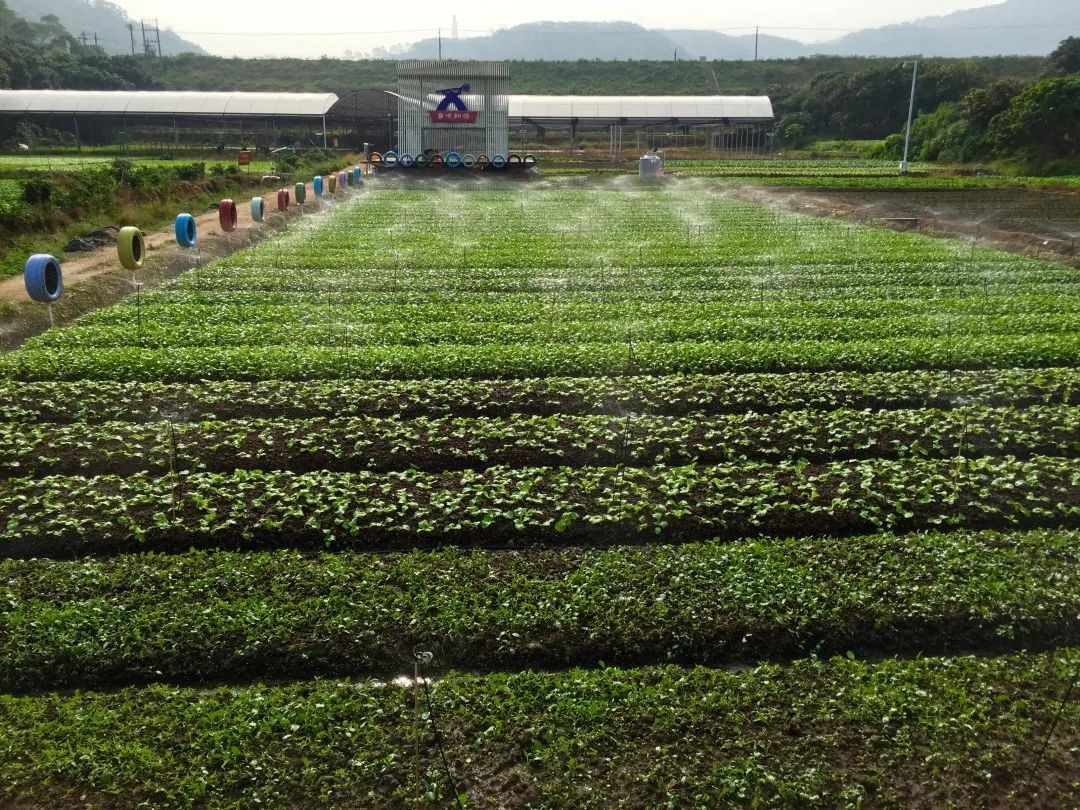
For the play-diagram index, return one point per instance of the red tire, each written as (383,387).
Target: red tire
(283,200)
(227,215)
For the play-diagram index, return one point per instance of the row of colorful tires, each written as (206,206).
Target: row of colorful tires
(451,160)
(186,234)
(43,275)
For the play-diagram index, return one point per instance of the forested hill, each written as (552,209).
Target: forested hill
(194,72)
(45,55)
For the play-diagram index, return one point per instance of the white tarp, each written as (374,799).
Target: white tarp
(165,102)
(642,108)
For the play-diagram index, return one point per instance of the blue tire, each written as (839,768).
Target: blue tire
(407,161)
(258,209)
(453,160)
(498,162)
(390,159)
(185,230)
(317,185)
(43,277)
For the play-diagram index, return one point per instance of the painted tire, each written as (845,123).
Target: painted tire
(407,161)
(331,183)
(468,161)
(529,160)
(132,247)
(421,161)
(317,186)
(342,180)
(258,209)
(375,159)
(435,160)
(514,159)
(227,215)
(282,200)
(359,175)
(300,193)
(390,159)
(453,160)
(483,161)
(186,233)
(43,278)
(498,162)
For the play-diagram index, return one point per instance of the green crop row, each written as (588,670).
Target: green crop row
(380,444)
(955,732)
(183,308)
(103,401)
(61,515)
(213,615)
(748,326)
(628,357)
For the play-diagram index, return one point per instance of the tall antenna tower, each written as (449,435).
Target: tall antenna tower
(453,27)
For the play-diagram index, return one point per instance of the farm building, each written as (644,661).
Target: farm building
(187,119)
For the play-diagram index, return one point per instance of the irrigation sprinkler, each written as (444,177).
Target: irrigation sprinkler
(44,281)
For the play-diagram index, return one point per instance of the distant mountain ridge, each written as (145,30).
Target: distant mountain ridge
(107,20)
(1014,28)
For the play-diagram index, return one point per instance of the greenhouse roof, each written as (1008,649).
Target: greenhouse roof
(116,102)
(641,109)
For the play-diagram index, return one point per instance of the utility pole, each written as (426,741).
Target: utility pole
(757,38)
(95,39)
(145,45)
(905,166)
(131,30)
(82,38)
(157,33)
(440,44)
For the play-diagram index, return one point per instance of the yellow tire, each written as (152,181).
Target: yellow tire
(131,247)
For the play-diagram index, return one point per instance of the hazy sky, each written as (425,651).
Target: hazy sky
(277,27)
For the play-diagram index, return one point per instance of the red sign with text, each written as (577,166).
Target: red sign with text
(453,116)
(243,159)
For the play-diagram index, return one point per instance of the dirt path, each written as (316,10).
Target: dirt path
(95,279)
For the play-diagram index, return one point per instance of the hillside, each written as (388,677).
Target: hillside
(1013,27)
(608,40)
(1024,27)
(107,20)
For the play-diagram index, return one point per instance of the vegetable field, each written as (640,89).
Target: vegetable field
(693,503)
